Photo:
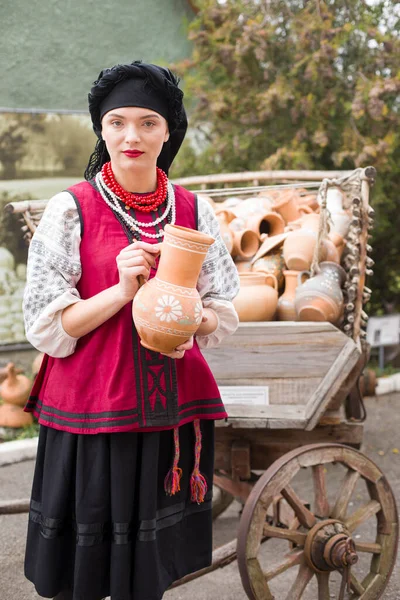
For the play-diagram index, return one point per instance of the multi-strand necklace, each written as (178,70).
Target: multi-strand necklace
(114,202)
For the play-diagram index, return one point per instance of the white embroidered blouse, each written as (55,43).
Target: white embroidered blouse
(54,270)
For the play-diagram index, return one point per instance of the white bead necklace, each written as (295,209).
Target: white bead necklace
(130,221)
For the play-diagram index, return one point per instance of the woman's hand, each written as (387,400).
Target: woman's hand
(180,350)
(209,322)
(135,260)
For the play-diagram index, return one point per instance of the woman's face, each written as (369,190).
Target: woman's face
(129,129)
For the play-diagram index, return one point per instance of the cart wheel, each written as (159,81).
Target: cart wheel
(323,544)
(221,501)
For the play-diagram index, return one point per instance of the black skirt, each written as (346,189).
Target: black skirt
(101,523)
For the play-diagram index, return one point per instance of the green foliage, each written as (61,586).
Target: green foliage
(301,85)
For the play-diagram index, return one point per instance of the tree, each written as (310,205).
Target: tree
(302,84)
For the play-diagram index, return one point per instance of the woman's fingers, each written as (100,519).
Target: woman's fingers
(186,346)
(152,248)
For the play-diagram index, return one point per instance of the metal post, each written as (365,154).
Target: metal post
(382,357)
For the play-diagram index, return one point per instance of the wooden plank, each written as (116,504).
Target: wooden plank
(345,492)
(339,370)
(321,503)
(281,175)
(362,514)
(288,390)
(306,518)
(240,459)
(297,537)
(276,350)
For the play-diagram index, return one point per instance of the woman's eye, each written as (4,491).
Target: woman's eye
(149,124)
(116,123)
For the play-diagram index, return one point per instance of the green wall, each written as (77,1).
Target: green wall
(53,50)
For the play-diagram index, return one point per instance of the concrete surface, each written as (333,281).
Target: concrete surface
(381,444)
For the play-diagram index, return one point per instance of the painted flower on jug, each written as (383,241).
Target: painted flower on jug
(168,309)
(198,313)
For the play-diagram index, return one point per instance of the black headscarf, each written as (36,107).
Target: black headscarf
(152,87)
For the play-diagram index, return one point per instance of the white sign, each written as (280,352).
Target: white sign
(383,331)
(250,395)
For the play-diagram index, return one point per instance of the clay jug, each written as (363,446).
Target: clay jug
(320,298)
(256,300)
(273,263)
(167,309)
(339,242)
(331,252)
(16,387)
(286,310)
(252,206)
(224,217)
(14,416)
(340,218)
(37,363)
(269,223)
(288,208)
(245,244)
(298,248)
(243,266)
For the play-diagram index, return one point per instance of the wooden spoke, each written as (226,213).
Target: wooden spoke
(362,514)
(303,578)
(345,493)
(306,518)
(368,547)
(320,494)
(323,586)
(290,560)
(291,535)
(356,585)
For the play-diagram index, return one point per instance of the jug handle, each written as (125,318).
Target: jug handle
(274,280)
(300,276)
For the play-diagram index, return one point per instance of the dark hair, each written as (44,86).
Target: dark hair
(158,78)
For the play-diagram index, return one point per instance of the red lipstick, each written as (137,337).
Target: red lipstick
(133,153)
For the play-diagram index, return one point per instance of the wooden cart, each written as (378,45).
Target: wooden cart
(280,458)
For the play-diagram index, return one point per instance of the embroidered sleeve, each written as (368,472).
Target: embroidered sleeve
(53,271)
(219,280)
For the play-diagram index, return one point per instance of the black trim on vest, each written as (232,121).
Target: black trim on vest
(79,209)
(196,211)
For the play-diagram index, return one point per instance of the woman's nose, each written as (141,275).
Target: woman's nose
(132,135)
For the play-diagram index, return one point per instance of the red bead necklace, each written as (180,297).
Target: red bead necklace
(145,203)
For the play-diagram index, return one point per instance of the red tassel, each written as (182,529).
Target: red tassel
(172,481)
(198,483)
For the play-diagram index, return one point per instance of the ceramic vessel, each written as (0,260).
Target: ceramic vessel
(286,310)
(272,263)
(257,298)
(339,242)
(14,416)
(269,223)
(320,298)
(16,387)
(298,248)
(252,206)
(243,266)
(340,218)
(288,208)
(167,309)
(245,244)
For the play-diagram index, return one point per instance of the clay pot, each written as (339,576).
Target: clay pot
(256,300)
(16,387)
(14,416)
(321,298)
(270,223)
(167,309)
(298,248)
(340,218)
(310,200)
(253,206)
(289,209)
(224,217)
(245,244)
(272,263)
(332,254)
(339,242)
(286,309)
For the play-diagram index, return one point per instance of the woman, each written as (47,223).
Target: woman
(121,498)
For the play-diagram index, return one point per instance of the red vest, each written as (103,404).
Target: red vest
(111,382)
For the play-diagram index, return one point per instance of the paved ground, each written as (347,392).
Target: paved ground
(382,439)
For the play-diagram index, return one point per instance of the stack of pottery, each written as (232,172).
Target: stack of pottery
(274,236)
(12,283)
(14,392)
